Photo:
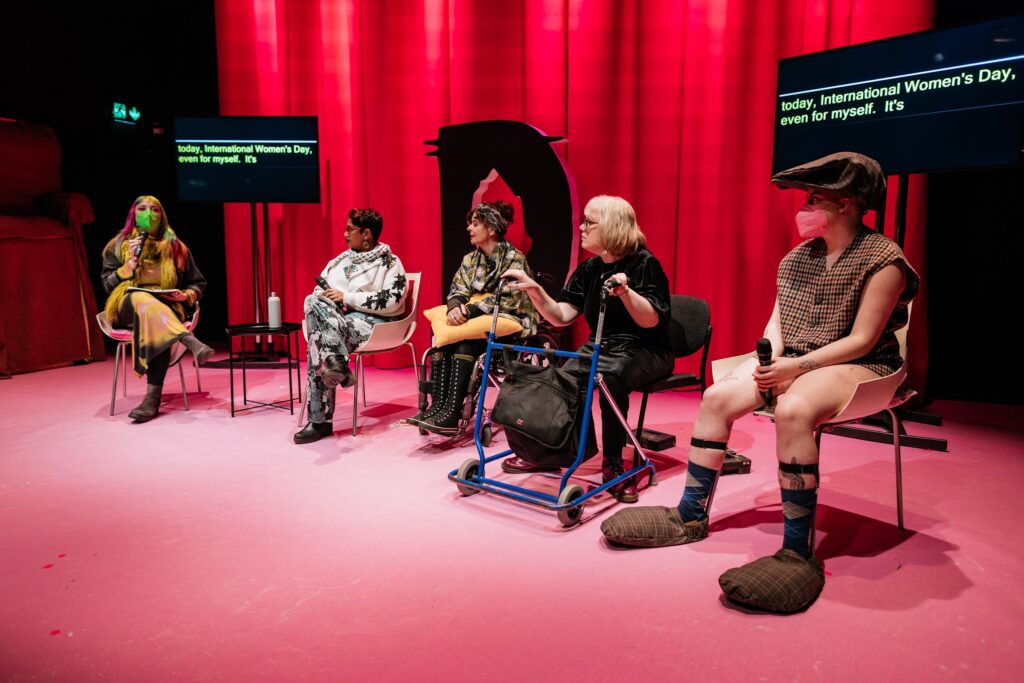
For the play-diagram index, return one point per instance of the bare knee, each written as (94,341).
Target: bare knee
(795,413)
(725,401)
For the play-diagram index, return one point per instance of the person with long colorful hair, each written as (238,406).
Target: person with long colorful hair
(147,255)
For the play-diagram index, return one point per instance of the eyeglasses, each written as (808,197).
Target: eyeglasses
(587,225)
(353,228)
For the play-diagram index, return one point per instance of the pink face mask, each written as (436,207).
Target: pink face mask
(811,223)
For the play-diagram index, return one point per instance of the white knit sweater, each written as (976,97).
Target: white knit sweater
(373,281)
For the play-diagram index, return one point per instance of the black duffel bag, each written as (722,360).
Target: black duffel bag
(541,409)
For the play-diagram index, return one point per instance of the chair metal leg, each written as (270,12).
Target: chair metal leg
(412,350)
(124,369)
(302,410)
(355,400)
(199,384)
(897,427)
(113,389)
(361,367)
(817,484)
(184,391)
(643,414)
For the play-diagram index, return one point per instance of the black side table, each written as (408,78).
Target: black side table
(287,330)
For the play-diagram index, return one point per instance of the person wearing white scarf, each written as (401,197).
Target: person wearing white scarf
(366,285)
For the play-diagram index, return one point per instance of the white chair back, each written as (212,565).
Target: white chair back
(392,334)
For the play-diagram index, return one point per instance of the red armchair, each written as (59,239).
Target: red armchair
(47,306)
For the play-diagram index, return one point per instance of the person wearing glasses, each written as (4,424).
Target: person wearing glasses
(362,286)
(635,347)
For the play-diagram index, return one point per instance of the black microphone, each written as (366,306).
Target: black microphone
(322,282)
(764,357)
(138,249)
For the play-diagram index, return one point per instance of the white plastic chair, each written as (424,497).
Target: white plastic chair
(123,337)
(869,398)
(385,337)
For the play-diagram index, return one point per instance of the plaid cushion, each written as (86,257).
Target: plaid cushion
(652,527)
(784,582)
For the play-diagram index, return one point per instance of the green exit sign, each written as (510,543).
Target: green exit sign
(125,113)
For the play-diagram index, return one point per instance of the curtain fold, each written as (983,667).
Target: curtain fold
(669,104)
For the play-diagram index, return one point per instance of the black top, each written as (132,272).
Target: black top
(646,277)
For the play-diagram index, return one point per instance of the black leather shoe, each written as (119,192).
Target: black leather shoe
(336,373)
(313,431)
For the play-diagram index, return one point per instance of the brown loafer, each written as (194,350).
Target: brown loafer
(516,465)
(784,582)
(653,527)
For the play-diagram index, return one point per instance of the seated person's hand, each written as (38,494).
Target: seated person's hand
(174,295)
(335,295)
(617,284)
(781,371)
(458,315)
(520,279)
(133,244)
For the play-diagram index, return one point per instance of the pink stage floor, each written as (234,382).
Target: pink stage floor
(200,547)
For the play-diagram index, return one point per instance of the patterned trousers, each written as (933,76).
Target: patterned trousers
(330,333)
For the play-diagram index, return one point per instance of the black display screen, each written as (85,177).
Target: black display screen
(248,159)
(937,100)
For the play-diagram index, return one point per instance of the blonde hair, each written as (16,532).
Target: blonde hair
(620,234)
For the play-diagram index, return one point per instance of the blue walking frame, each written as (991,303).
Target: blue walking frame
(470,477)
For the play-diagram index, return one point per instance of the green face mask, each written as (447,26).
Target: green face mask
(144,220)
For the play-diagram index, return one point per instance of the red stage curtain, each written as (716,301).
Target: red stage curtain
(669,104)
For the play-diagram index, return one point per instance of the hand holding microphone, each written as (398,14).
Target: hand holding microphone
(138,247)
(335,296)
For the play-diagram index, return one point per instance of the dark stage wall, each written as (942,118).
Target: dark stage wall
(64,66)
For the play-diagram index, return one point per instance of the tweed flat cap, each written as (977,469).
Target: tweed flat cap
(844,172)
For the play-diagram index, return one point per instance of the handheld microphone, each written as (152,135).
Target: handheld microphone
(325,286)
(764,357)
(142,242)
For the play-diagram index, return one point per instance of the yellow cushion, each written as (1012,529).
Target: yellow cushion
(475,328)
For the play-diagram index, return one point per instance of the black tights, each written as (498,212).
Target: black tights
(158,368)
(613,435)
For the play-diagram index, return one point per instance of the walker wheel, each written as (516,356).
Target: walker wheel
(570,516)
(468,470)
(486,434)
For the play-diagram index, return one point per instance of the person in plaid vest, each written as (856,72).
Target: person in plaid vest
(842,294)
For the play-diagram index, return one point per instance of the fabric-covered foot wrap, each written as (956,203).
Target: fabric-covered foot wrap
(784,582)
(652,527)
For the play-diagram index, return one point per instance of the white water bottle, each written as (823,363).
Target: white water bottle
(273,310)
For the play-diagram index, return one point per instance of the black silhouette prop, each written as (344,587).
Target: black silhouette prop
(522,155)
